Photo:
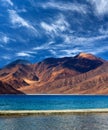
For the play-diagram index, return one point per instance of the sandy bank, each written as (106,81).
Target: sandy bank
(50,112)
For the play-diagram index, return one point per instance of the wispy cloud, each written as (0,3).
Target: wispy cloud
(4,39)
(23,54)
(57,26)
(7,2)
(49,45)
(18,21)
(73,45)
(70,52)
(42,47)
(47,27)
(103,30)
(100,6)
(78,40)
(99,50)
(90,39)
(53,52)
(65,6)
(21,10)
(6,57)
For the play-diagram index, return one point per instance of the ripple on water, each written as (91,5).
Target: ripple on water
(56,122)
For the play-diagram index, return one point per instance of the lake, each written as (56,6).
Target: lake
(54,122)
(52,102)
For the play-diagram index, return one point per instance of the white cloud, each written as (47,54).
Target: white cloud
(47,27)
(66,6)
(101,6)
(73,45)
(19,21)
(53,52)
(47,46)
(7,2)
(23,54)
(30,52)
(103,30)
(16,19)
(69,39)
(99,50)
(90,39)
(57,26)
(6,57)
(70,52)
(42,47)
(5,39)
(21,10)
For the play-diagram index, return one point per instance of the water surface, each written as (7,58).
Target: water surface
(64,122)
(52,102)
(54,122)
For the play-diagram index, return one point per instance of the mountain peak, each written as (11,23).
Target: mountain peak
(87,56)
(17,62)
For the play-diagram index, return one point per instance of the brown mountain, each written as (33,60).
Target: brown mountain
(82,74)
(8,89)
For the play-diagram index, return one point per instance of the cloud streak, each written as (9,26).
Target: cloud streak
(57,26)
(18,21)
(83,40)
(68,6)
(4,39)
(89,39)
(100,6)
(23,54)
(6,57)
(9,2)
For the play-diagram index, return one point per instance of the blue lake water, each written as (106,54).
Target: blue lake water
(54,122)
(52,102)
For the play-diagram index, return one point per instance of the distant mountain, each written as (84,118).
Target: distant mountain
(16,62)
(82,74)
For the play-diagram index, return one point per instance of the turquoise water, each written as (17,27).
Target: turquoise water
(52,102)
(54,122)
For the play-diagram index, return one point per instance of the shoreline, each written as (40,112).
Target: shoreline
(51,112)
(53,94)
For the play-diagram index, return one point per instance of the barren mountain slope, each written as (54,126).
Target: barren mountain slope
(82,74)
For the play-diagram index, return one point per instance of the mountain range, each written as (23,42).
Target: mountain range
(81,74)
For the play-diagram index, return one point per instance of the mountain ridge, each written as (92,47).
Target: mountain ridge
(81,74)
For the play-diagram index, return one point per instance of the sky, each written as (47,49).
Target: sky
(37,29)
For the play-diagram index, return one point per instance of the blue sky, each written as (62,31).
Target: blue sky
(37,29)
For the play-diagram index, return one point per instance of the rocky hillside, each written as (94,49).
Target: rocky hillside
(82,74)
